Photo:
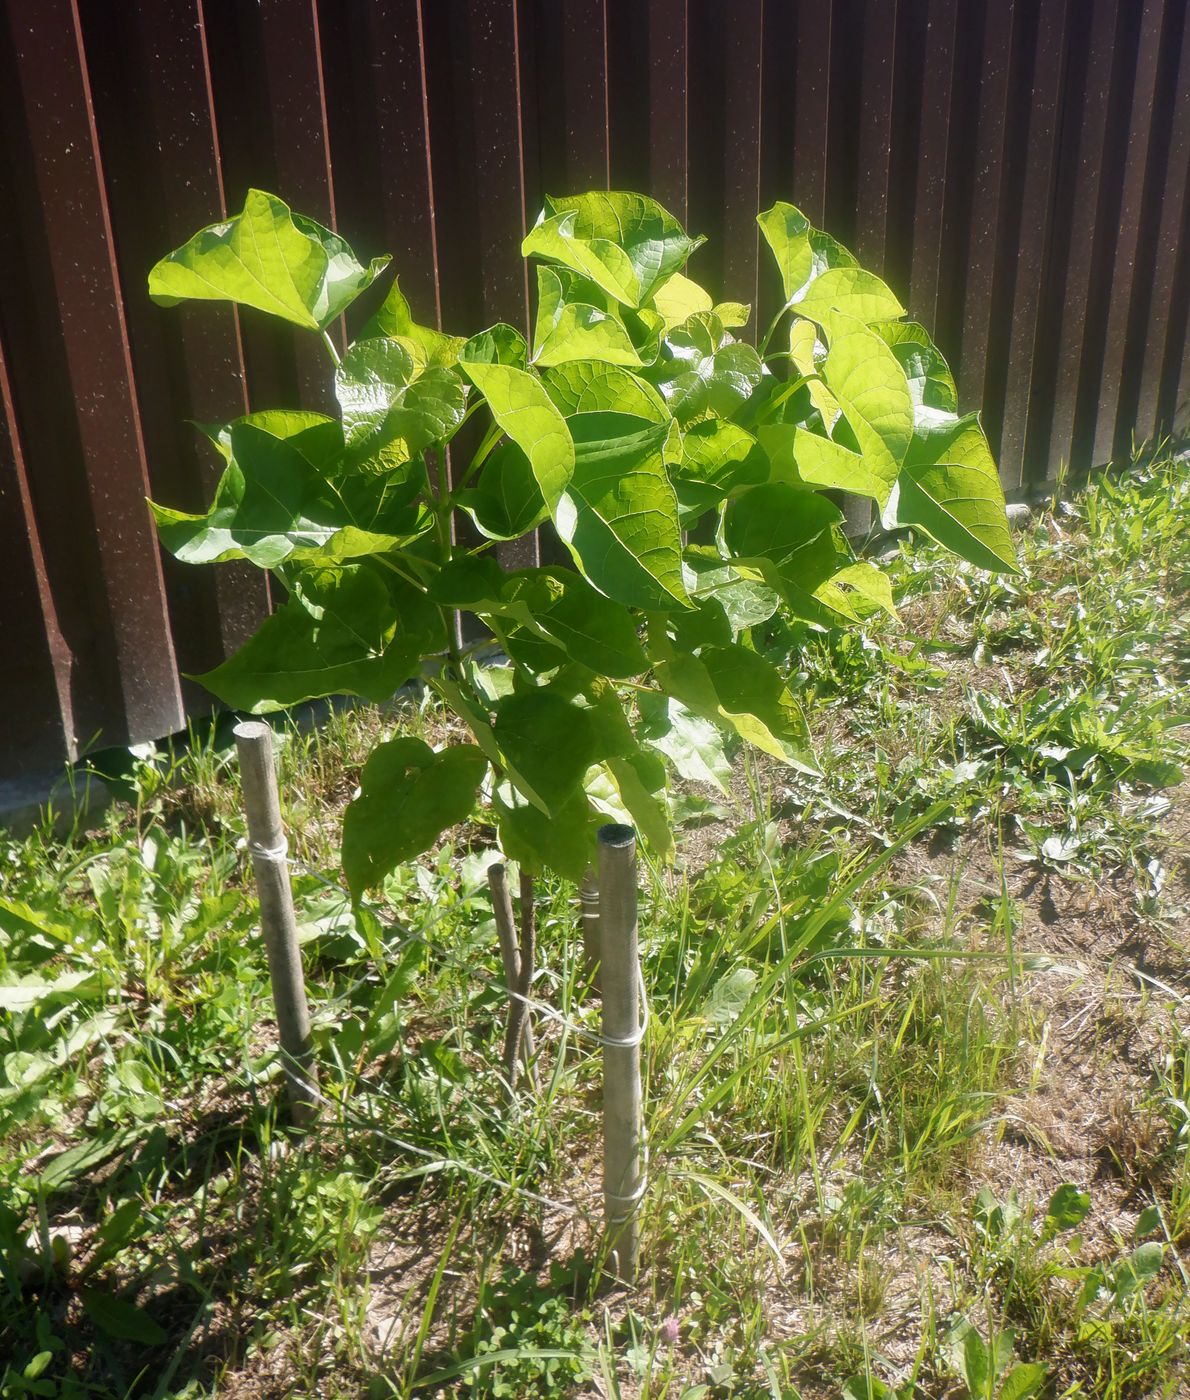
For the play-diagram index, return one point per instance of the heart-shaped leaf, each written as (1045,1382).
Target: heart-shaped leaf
(388,415)
(409,795)
(429,348)
(733,686)
(547,743)
(269,258)
(949,486)
(704,373)
(626,244)
(819,275)
(507,502)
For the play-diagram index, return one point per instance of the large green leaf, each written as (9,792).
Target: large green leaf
(819,275)
(547,743)
(871,389)
(790,535)
(269,258)
(853,291)
(778,524)
(571,330)
(429,348)
(678,299)
(704,372)
(950,487)
(626,244)
(409,795)
(500,344)
(639,781)
(523,409)
(787,232)
(590,386)
(619,515)
(337,635)
(388,415)
(733,686)
(283,493)
(802,457)
(271,499)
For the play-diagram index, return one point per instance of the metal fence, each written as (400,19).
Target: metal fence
(1018,171)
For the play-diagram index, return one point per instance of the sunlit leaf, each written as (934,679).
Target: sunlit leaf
(568,330)
(949,486)
(268,258)
(429,348)
(627,244)
(523,409)
(734,686)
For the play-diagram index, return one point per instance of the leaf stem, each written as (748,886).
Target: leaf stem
(482,452)
(443,508)
(330,345)
(773,324)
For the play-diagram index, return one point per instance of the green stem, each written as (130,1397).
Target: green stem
(773,324)
(330,345)
(443,506)
(790,388)
(482,452)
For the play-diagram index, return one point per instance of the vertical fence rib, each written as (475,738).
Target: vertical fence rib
(1128,273)
(668,88)
(1164,324)
(984,248)
(34,682)
(291,43)
(934,173)
(878,70)
(1021,406)
(1088,153)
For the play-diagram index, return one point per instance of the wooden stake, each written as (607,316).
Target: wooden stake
(266,841)
(588,894)
(518,1033)
(623,1123)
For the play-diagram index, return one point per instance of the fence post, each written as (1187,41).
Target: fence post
(266,841)
(623,1125)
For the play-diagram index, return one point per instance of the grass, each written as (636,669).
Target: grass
(917,1070)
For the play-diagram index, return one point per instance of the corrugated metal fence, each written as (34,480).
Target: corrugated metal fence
(1018,171)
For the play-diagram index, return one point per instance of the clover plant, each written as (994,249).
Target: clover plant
(691,476)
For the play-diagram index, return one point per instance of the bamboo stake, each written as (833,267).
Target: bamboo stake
(623,1124)
(514,980)
(588,894)
(266,841)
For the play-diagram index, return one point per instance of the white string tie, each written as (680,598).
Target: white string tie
(275,854)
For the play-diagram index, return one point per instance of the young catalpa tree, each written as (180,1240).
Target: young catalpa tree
(635,423)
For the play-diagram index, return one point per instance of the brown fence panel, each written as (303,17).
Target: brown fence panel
(1019,170)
